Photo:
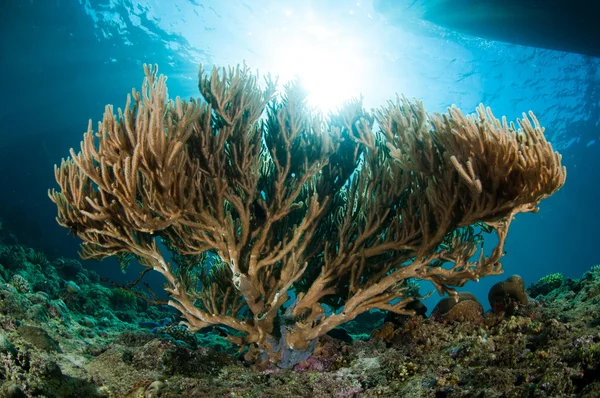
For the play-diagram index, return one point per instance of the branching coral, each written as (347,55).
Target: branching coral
(286,224)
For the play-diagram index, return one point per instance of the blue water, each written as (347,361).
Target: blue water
(63,60)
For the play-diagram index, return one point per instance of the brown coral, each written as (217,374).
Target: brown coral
(339,213)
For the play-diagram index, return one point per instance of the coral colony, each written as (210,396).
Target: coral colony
(286,224)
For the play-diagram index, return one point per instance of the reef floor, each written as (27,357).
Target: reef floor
(63,334)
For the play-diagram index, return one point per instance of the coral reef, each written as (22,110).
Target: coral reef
(284,224)
(546,347)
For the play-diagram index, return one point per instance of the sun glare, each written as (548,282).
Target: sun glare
(330,68)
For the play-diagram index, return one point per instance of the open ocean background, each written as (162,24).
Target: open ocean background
(64,60)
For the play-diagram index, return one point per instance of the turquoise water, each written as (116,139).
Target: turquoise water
(64,60)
